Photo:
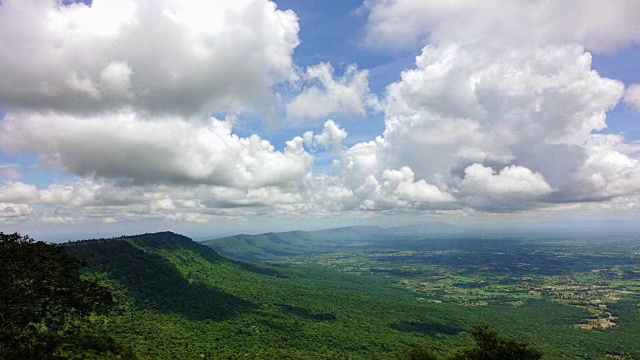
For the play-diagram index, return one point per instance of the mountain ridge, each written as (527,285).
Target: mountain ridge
(271,245)
(178,299)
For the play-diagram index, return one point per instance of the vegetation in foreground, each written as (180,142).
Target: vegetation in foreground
(489,345)
(44,305)
(177,299)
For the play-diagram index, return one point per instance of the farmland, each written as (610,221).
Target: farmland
(584,271)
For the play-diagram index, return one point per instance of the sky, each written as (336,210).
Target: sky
(244,116)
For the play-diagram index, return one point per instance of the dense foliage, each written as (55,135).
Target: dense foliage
(177,299)
(489,346)
(44,302)
(576,294)
(181,300)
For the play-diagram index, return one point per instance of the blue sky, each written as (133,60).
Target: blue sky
(243,116)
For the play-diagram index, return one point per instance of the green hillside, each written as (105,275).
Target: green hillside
(181,300)
(178,299)
(272,246)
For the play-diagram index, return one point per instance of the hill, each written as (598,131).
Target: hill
(181,300)
(579,280)
(272,246)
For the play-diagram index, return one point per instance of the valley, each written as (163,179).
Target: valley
(511,274)
(365,293)
(588,274)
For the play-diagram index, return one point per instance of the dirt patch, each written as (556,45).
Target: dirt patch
(600,323)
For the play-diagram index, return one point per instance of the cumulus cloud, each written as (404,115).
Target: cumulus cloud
(608,171)
(510,180)
(126,147)
(512,188)
(116,79)
(325,95)
(394,190)
(17,192)
(402,183)
(170,56)
(118,94)
(15,200)
(104,200)
(598,25)
(331,137)
(632,96)
(463,105)
(9,211)
(500,112)
(499,128)
(398,189)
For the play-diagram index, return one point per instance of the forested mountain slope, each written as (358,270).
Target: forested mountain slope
(274,245)
(181,300)
(178,299)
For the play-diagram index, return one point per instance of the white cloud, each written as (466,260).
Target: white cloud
(116,79)
(608,171)
(398,189)
(15,200)
(359,182)
(513,179)
(402,184)
(325,95)
(464,111)
(513,188)
(331,137)
(127,147)
(169,56)
(497,115)
(111,201)
(598,25)
(12,212)
(632,96)
(464,105)
(17,192)
(84,193)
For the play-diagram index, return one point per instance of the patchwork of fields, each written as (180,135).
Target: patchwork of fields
(593,280)
(581,273)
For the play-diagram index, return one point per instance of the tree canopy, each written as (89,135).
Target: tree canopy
(42,298)
(489,346)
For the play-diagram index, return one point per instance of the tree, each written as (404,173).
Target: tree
(42,296)
(418,353)
(489,346)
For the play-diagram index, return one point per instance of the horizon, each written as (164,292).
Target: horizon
(595,227)
(121,117)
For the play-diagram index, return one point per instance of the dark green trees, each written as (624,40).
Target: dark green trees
(418,353)
(42,298)
(489,346)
